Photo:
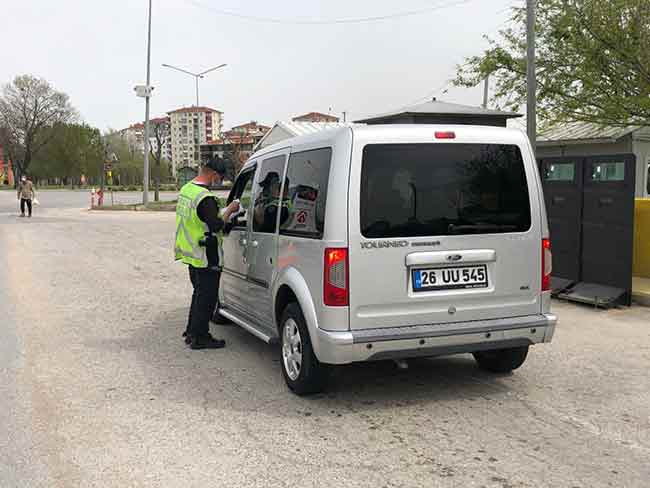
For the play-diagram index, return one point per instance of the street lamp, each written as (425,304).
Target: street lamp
(195,75)
(145,92)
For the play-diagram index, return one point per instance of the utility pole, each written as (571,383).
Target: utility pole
(531,79)
(145,183)
(486,91)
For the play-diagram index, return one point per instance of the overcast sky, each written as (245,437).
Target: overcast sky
(96,51)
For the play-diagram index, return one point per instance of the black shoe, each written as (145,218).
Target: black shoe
(207,342)
(187,337)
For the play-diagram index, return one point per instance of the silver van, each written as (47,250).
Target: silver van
(389,242)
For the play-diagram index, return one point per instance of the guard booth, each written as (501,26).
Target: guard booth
(590,206)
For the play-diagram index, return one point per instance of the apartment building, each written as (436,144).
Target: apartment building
(134,137)
(190,127)
(159,128)
(251,128)
(238,143)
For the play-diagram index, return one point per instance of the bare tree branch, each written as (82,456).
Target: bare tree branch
(28,107)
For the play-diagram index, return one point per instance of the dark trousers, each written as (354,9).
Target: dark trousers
(204,300)
(24,201)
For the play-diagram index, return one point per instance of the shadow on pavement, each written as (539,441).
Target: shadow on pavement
(247,376)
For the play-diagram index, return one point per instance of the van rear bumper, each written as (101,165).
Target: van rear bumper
(432,340)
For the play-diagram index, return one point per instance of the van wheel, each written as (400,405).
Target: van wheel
(501,360)
(301,369)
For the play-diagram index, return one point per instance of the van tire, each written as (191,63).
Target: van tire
(312,373)
(501,360)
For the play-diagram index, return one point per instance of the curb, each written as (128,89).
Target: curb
(642,299)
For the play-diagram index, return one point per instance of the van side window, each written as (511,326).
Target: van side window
(307,178)
(242,190)
(269,199)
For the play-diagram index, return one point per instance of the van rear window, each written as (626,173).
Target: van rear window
(417,190)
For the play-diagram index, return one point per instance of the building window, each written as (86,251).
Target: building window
(608,171)
(559,171)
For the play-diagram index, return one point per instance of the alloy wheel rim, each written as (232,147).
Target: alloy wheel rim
(291,349)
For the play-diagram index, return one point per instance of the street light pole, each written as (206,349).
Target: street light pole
(531,79)
(196,76)
(145,183)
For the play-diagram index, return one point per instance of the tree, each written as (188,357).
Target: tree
(129,166)
(73,150)
(161,133)
(29,109)
(593,62)
(234,154)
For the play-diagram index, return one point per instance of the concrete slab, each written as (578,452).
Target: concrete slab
(97,388)
(641,290)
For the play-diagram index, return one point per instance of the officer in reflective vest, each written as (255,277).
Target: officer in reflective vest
(198,244)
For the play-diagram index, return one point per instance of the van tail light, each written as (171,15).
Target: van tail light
(547,264)
(335,287)
(445,135)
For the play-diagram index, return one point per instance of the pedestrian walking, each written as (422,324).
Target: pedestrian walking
(26,195)
(198,244)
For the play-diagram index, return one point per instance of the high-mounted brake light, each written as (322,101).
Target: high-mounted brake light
(547,264)
(335,283)
(445,135)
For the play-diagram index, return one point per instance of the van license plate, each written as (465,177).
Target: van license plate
(456,278)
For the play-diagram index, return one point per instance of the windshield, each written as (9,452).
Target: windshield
(412,190)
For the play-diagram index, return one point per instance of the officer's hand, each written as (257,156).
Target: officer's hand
(231,210)
(233,207)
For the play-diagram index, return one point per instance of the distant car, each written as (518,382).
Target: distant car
(400,241)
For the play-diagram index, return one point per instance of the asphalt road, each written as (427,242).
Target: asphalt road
(97,389)
(50,199)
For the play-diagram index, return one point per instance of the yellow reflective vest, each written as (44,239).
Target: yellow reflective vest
(190,229)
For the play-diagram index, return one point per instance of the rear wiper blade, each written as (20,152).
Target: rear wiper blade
(480,227)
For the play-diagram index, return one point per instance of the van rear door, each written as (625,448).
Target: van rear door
(442,230)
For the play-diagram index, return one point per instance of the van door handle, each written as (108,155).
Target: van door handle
(557,200)
(606,201)
(254,243)
(243,241)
